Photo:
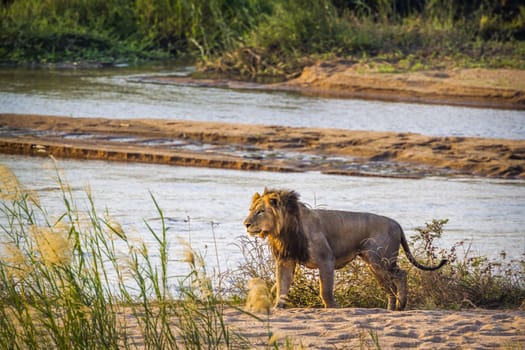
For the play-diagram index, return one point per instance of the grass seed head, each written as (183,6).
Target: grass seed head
(259,299)
(15,261)
(10,188)
(114,228)
(52,245)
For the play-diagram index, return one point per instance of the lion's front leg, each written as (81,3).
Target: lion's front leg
(284,276)
(326,279)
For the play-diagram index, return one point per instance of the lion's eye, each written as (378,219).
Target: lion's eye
(261,211)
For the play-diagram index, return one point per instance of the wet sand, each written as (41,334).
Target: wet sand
(261,147)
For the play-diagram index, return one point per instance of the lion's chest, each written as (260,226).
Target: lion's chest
(310,263)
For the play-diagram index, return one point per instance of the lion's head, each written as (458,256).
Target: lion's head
(268,212)
(275,214)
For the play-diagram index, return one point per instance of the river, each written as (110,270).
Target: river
(116,93)
(487,213)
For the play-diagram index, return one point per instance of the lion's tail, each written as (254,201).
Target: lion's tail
(413,260)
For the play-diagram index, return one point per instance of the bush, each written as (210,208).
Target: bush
(257,37)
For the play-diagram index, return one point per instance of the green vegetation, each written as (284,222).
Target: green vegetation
(265,37)
(76,279)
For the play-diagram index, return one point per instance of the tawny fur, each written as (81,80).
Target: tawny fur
(328,240)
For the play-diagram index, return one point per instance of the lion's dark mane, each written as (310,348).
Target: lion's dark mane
(290,242)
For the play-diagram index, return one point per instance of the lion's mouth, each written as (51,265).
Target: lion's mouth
(263,234)
(258,233)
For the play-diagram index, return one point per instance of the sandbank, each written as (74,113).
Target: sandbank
(261,147)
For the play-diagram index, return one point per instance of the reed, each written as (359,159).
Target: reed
(79,281)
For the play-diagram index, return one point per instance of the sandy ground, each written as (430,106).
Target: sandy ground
(359,328)
(497,88)
(356,328)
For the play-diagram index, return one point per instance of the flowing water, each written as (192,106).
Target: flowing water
(486,213)
(203,203)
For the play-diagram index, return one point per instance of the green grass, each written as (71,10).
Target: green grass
(262,37)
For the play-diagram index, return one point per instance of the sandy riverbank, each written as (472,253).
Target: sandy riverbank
(415,329)
(259,147)
(476,87)
(359,328)
(487,88)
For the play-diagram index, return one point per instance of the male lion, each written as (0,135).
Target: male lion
(328,240)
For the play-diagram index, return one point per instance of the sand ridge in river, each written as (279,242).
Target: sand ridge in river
(260,147)
(473,87)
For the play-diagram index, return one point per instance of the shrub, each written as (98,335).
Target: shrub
(256,37)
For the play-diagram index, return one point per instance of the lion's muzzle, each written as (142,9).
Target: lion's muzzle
(247,224)
(254,231)
(250,227)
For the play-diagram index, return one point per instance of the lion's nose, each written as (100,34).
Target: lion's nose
(247,223)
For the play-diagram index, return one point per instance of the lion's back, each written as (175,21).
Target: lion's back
(346,230)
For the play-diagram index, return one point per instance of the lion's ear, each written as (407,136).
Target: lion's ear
(274,199)
(256,196)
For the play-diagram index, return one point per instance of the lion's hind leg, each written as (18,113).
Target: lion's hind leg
(400,280)
(386,280)
(391,278)
(394,281)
